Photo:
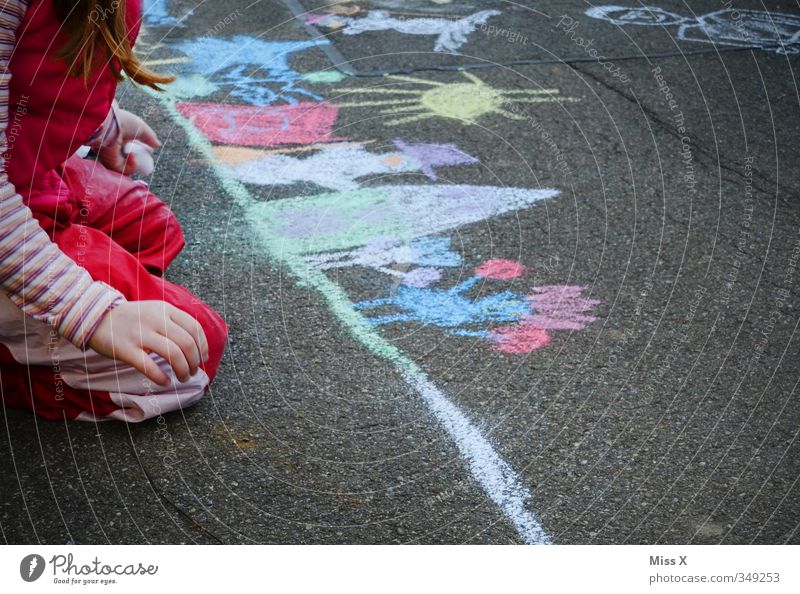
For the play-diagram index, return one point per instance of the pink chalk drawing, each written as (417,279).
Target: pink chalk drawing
(560,307)
(500,269)
(554,307)
(247,125)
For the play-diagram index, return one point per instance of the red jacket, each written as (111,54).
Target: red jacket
(56,113)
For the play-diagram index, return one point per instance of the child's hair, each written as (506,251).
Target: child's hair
(94,26)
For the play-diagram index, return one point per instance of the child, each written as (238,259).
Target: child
(89,329)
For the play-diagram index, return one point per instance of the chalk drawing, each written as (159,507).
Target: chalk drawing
(155,13)
(518,339)
(345,220)
(497,478)
(421,277)
(382,253)
(775,31)
(560,307)
(193,85)
(448,308)
(323,76)
(166,61)
(451,34)
(249,65)
(500,269)
(462,101)
(246,125)
(556,307)
(236,155)
(407,3)
(430,156)
(351,9)
(338,166)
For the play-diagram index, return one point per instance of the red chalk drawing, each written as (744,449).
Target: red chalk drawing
(500,269)
(247,125)
(518,339)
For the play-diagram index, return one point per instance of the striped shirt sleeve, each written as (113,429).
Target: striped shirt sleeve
(36,275)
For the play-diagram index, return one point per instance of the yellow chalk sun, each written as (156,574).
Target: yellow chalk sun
(464,101)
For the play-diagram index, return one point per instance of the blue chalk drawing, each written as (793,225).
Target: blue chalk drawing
(449,308)
(155,13)
(249,64)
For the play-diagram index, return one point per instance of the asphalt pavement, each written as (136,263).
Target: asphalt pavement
(600,348)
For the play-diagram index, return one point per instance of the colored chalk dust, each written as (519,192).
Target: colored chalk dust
(526,320)
(462,101)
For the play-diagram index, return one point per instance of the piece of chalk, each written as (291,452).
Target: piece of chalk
(142,154)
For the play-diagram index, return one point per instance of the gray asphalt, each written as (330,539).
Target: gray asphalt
(671,419)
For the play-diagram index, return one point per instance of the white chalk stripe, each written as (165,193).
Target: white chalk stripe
(493,473)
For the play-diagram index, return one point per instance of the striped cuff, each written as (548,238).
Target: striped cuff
(85,316)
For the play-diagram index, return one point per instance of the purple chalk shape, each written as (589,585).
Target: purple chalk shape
(429,156)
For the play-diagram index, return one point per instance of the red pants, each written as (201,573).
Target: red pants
(125,236)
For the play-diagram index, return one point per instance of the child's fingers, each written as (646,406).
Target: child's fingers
(141,361)
(171,352)
(145,134)
(187,344)
(193,327)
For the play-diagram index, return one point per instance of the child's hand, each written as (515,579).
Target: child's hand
(133,329)
(131,128)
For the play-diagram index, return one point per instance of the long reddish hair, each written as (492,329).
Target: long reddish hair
(97,32)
